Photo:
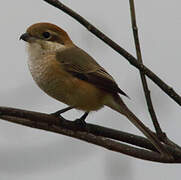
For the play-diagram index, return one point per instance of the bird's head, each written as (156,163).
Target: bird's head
(47,36)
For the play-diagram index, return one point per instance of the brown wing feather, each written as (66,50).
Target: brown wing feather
(84,67)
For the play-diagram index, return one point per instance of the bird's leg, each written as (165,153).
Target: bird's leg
(83,117)
(81,121)
(57,113)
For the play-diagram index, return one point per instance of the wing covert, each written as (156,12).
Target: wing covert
(84,67)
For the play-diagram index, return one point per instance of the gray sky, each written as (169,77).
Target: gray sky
(33,154)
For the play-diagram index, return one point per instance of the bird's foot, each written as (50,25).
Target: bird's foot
(81,121)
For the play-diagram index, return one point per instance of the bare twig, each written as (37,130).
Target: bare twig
(91,133)
(159,132)
(161,135)
(166,88)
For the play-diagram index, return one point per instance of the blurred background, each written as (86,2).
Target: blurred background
(27,153)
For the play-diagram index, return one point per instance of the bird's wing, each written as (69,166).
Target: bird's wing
(84,67)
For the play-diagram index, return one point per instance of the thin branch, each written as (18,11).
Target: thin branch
(159,132)
(166,88)
(91,133)
(161,135)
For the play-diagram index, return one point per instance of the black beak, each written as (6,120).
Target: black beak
(26,36)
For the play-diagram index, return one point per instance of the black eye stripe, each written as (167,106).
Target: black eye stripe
(46,34)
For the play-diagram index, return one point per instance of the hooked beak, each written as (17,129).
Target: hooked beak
(26,37)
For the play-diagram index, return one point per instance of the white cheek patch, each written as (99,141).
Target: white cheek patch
(53,46)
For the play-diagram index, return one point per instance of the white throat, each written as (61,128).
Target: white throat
(39,57)
(37,50)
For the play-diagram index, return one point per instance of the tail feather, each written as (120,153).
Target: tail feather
(117,104)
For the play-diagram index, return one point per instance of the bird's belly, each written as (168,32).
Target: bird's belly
(76,93)
(66,88)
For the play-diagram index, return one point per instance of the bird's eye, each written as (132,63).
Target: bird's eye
(46,35)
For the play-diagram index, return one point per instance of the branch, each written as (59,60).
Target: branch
(159,132)
(132,60)
(98,135)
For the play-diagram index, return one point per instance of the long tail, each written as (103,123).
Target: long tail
(117,104)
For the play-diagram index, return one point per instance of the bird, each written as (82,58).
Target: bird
(70,75)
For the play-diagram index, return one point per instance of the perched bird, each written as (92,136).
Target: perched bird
(70,75)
